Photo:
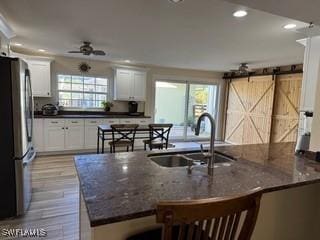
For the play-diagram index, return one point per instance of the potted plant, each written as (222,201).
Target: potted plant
(107,105)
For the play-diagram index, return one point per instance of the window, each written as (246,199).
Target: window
(190,101)
(81,91)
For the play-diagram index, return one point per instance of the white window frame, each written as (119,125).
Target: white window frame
(83,92)
(189,80)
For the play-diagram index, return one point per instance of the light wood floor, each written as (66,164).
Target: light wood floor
(55,200)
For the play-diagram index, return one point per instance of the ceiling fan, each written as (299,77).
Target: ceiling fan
(87,49)
(242,70)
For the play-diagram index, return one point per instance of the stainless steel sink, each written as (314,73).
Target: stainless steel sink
(170,160)
(181,159)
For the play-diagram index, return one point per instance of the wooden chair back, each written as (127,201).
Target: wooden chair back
(210,219)
(159,131)
(122,132)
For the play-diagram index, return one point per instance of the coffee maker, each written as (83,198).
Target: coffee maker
(133,108)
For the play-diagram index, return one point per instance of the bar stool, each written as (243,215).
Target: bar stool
(123,135)
(158,136)
(206,219)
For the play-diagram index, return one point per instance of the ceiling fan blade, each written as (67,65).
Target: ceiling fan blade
(98,52)
(74,52)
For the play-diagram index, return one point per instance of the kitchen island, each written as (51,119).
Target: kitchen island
(119,191)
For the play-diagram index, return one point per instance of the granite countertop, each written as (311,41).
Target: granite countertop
(123,186)
(87,114)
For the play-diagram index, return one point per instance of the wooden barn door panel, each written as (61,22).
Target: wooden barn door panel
(285,117)
(236,111)
(249,112)
(259,110)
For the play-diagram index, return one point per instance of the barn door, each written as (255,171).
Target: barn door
(249,110)
(285,117)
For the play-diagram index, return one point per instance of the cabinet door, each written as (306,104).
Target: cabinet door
(38,135)
(139,86)
(54,138)
(74,134)
(123,85)
(74,138)
(90,133)
(90,141)
(40,78)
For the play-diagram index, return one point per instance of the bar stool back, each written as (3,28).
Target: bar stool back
(123,135)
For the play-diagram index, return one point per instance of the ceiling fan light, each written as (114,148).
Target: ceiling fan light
(175,1)
(290,26)
(240,13)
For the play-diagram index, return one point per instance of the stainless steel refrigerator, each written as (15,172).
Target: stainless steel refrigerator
(17,153)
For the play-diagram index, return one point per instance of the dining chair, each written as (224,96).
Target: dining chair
(123,135)
(158,136)
(222,218)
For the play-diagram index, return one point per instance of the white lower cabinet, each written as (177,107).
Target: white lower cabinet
(90,133)
(54,139)
(37,135)
(75,134)
(60,134)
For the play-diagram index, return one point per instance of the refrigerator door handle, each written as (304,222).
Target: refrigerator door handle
(29,105)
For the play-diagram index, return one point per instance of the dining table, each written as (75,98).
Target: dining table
(105,133)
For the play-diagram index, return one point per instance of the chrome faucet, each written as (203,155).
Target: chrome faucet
(210,155)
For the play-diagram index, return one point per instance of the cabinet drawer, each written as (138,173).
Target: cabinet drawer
(128,121)
(74,122)
(144,121)
(111,121)
(93,122)
(54,123)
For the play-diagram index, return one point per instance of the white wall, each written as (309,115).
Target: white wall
(68,65)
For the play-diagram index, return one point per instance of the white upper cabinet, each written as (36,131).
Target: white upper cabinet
(40,77)
(123,84)
(130,85)
(311,74)
(139,86)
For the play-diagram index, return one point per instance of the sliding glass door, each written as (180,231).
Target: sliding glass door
(201,98)
(181,103)
(170,106)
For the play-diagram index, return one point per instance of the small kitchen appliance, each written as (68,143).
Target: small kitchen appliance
(50,110)
(133,108)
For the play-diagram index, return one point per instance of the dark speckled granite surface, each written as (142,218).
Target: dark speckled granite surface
(124,186)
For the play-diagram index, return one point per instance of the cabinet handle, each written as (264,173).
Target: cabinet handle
(62,128)
(74,121)
(48,94)
(54,122)
(67,128)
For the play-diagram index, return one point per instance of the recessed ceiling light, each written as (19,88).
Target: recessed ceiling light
(175,1)
(127,61)
(41,50)
(289,26)
(240,13)
(17,44)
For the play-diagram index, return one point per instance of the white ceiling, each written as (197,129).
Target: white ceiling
(196,34)
(303,10)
